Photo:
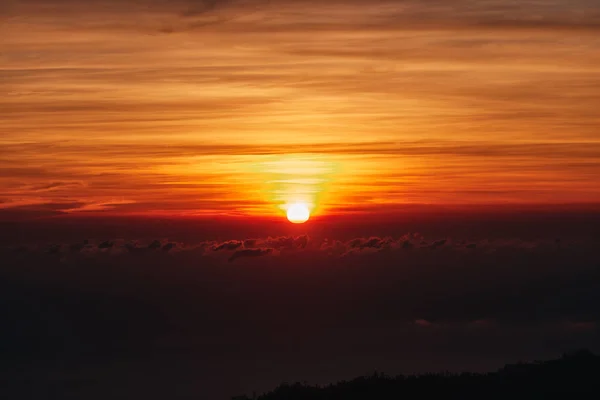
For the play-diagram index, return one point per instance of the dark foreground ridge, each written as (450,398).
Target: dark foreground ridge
(575,373)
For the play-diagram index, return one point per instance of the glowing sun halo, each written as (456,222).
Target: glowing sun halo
(298,213)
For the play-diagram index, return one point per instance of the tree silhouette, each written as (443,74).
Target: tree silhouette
(574,373)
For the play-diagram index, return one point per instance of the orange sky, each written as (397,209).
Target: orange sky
(244,106)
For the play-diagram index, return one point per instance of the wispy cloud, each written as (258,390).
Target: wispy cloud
(406,101)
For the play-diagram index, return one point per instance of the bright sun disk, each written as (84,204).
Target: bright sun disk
(298,213)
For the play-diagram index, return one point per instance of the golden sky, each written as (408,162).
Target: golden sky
(245,106)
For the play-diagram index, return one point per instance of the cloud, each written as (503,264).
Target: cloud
(424,323)
(249,253)
(311,302)
(284,242)
(229,245)
(393,63)
(105,245)
(403,244)
(38,208)
(77,247)
(169,246)
(478,287)
(156,244)
(56,185)
(392,15)
(388,14)
(438,243)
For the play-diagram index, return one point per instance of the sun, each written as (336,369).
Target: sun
(298,213)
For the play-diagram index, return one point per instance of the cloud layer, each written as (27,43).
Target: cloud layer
(247,314)
(408,279)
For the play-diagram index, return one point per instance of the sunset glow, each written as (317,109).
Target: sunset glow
(242,107)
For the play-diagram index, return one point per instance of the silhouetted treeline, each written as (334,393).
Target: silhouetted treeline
(575,373)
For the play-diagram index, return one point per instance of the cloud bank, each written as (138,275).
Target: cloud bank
(283,308)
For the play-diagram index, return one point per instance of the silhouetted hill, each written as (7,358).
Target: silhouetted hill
(575,373)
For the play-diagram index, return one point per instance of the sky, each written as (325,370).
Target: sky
(448,151)
(243,107)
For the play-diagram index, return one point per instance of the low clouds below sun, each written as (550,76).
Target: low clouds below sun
(374,287)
